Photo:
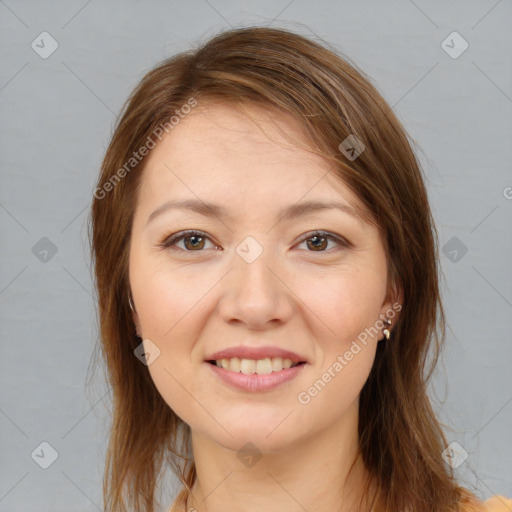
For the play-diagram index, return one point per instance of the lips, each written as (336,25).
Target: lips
(262,352)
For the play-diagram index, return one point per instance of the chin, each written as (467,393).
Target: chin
(264,437)
(257,440)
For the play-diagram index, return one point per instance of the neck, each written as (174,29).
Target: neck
(313,473)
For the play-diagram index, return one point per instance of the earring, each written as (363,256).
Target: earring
(386,331)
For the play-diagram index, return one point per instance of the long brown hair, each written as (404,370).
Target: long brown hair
(401,440)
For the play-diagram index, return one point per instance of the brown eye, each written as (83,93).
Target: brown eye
(193,241)
(317,243)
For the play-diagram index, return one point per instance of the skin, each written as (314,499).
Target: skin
(194,302)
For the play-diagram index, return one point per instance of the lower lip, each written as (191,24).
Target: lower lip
(254,381)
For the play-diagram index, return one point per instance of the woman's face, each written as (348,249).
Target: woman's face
(248,281)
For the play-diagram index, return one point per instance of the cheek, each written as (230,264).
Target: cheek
(174,327)
(345,304)
(167,296)
(172,381)
(333,392)
(345,351)
(171,307)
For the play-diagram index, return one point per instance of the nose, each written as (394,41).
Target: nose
(256,294)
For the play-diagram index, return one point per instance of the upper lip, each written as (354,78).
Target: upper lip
(244,352)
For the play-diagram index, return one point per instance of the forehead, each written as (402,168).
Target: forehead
(246,155)
(212,131)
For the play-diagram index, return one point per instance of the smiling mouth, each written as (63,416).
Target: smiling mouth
(258,366)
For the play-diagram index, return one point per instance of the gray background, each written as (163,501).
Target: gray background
(56,117)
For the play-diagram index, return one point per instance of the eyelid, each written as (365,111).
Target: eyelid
(326,234)
(169,241)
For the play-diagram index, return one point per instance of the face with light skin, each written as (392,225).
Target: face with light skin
(199,296)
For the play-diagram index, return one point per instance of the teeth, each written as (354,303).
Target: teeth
(264,366)
(260,366)
(247,366)
(277,364)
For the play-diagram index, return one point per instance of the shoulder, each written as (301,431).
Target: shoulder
(496,503)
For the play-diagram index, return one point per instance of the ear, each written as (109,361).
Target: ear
(135,317)
(136,322)
(393,302)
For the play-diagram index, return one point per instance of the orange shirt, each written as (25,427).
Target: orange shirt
(498,504)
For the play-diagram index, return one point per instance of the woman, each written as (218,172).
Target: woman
(267,274)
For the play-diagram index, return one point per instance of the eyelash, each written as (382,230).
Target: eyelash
(169,241)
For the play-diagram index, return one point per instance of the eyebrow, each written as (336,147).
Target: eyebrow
(287,213)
